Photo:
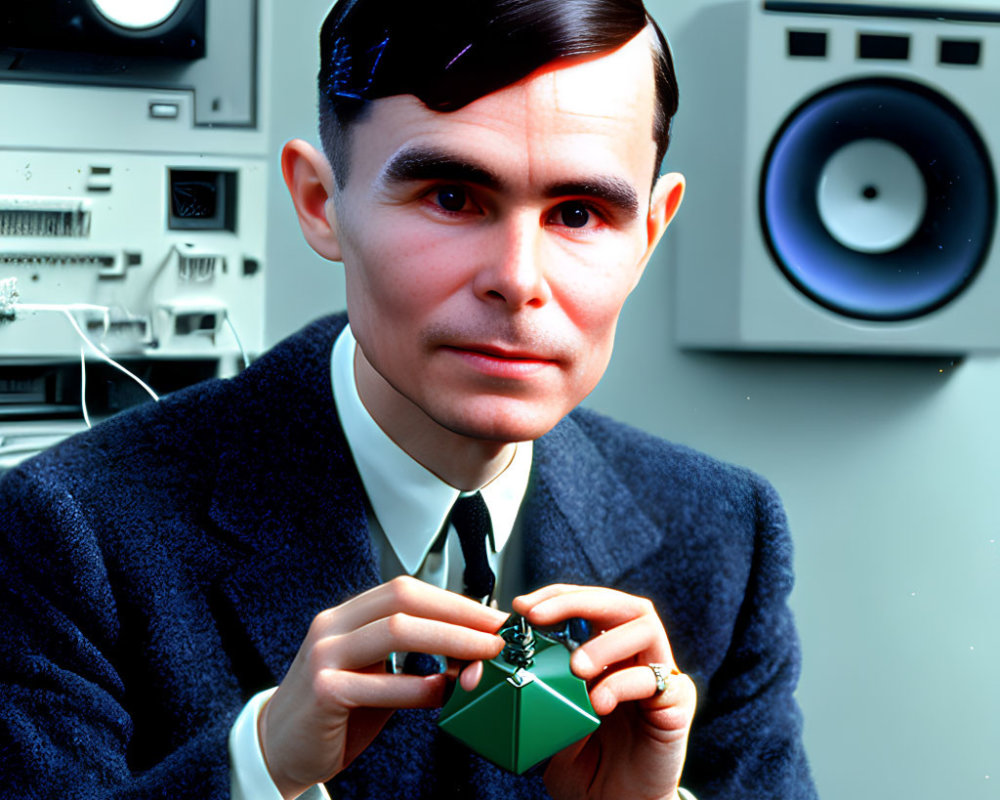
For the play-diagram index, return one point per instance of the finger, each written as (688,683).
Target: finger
(642,637)
(672,709)
(372,643)
(602,607)
(526,602)
(339,689)
(411,596)
(471,675)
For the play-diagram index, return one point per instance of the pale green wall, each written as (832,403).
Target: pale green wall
(888,467)
(890,471)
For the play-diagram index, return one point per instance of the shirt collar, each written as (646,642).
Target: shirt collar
(410,502)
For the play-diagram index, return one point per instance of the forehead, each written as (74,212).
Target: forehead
(615,86)
(595,110)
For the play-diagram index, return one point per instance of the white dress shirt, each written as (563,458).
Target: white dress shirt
(410,504)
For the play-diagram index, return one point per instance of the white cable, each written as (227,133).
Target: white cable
(9,292)
(100,353)
(236,336)
(83,385)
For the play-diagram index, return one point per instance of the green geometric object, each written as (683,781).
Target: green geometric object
(528,704)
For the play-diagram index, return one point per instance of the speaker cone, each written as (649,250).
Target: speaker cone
(878,200)
(136,14)
(132,28)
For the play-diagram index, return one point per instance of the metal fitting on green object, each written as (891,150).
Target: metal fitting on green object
(528,704)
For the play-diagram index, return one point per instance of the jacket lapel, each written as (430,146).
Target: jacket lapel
(310,557)
(581,522)
(289,500)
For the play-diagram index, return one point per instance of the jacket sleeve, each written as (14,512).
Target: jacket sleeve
(65,693)
(747,737)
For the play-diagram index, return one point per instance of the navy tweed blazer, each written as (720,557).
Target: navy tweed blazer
(159,570)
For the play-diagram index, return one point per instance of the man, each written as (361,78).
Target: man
(250,561)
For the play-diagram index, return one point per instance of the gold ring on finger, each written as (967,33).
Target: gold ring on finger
(663,674)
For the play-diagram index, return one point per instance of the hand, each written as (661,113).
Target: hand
(638,752)
(336,695)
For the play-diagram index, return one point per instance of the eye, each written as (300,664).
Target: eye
(451,198)
(574,214)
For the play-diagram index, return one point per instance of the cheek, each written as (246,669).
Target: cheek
(405,269)
(593,286)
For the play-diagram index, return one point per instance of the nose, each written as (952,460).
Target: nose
(513,270)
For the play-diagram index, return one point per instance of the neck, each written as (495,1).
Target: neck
(461,461)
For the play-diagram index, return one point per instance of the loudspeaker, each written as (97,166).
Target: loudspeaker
(842,195)
(165,28)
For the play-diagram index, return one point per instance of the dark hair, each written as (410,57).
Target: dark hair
(451,52)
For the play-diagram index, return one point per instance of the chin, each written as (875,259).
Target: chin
(502,427)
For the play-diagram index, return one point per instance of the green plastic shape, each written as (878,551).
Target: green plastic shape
(528,704)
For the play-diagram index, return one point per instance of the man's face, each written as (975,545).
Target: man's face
(488,251)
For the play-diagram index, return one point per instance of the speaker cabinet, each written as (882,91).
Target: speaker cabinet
(166,28)
(842,179)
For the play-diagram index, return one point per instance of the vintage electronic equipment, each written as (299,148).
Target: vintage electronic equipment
(842,167)
(133,184)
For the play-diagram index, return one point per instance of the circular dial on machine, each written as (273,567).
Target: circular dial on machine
(136,14)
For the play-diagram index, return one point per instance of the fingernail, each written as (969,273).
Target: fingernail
(582,663)
(471,675)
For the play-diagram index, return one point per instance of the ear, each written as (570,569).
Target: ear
(667,196)
(310,182)
(666,199)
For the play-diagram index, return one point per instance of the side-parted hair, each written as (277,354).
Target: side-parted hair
(451,52)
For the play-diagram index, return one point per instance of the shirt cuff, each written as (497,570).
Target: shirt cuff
(685,794)
(248,775)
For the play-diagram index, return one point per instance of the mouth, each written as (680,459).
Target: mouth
(500,353)
(501,362)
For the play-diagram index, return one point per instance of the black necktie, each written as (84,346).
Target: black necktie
(471,519)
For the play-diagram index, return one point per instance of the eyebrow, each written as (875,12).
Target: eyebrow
(613,191)
(426,164)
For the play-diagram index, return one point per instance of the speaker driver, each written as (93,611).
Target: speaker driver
(872,197)
(878,200)
(136,14)
(131,28)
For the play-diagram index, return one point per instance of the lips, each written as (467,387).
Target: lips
(499,352)
(501,362)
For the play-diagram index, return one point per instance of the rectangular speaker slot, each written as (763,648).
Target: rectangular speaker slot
(807,44)
(966,53)
(51,223)
(882,47)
